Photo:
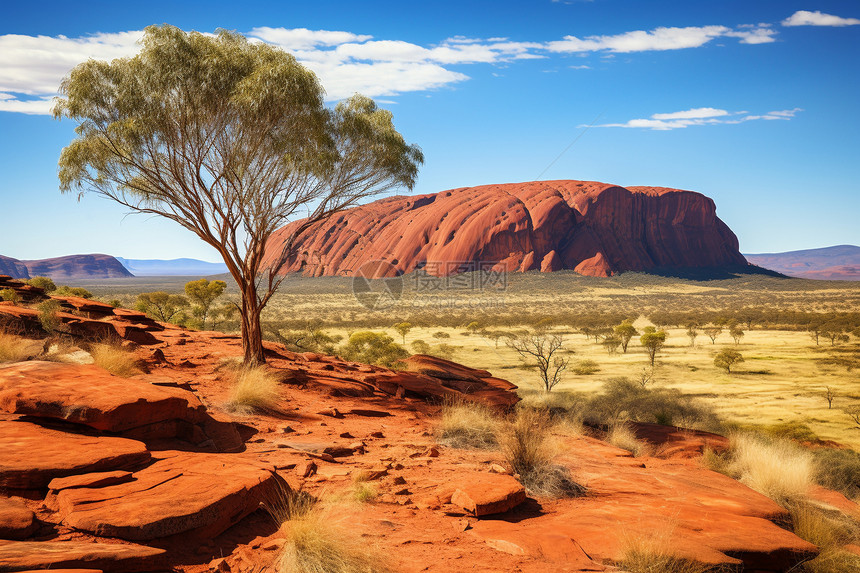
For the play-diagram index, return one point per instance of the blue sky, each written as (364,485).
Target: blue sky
(753,103)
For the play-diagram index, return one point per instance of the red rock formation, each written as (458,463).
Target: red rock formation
(594,228)
(94,266)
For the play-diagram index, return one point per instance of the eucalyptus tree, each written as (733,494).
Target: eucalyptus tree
(230,139)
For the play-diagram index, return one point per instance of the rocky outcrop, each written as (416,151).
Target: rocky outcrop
(95,266)
(594,228)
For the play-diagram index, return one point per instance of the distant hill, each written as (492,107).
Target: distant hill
(96,266)
(172,267)
(839,263)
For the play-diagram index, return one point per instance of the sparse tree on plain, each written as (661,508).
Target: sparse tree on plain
(403,329)
(625,331)
(692,333)
(712,332)
(736,333)
(727,358)
(611,344)
(231,140)
(161,305)
(829,395)
(204,292)
(540,349)
(653,340)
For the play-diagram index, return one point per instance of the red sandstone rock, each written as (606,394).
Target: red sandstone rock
(16,521)
(180,492)
(487,494)
(31,456)
(56,555)
(593,228)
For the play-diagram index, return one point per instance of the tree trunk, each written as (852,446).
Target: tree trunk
(252,332)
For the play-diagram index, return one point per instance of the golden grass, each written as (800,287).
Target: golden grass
(325,540)
(17,349)
(654,554)
(467,425)
(527,444)
(254,389)
(779,469)
(621,436)
(830,531)
(115,360)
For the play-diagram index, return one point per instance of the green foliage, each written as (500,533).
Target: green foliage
(230,139)
(473,327)
(839,469)
(403,329)
(712,332)
(727,358)
(66,290)
(374,348)
(9,295)
(203,294)
(623,400)
(162,305)
(48,315)
(309,339)
(44,283)
(420,347)
(653,340)
(625,331)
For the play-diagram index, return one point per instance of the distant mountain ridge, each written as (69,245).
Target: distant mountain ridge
(94,265)
(171,267)
(840,263)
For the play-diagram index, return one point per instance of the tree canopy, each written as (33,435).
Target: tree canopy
(231,140)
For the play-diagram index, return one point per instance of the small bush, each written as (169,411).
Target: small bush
(362,491)
(44,283)
(525,441)
(374,348)
(622,400)
(586,367)
(73,291)
(420,347)
(467,425)
(48,315)
(779,469)
(17,349)
(115,360)
(254,389)
(9,295)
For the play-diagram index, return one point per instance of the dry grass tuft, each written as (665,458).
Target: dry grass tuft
(321,539)
(831,531)
(467,425)
(254,389)
(115,360)
(526,442)
(654,554)
(779,469)
(621,436)
(17,349)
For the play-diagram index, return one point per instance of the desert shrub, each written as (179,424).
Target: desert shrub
(443,350)
(441,334)
(254,389)
(284,503)
(839,470)
(374,348)
(586,367)
(309,339)
(115,302)
(115,360)
(162,305)
(621,436)
(9,295)
(44,283)
(362,490)
(16,349)
(48,315)
(779,469)
(526,444)
(727,358)
(467,425)
(66,290)
(420,347)
(831,531)
(622,399)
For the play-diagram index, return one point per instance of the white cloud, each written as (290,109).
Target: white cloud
(304,39)
(807,18)
(762,34)
(700,116)
(641,41)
